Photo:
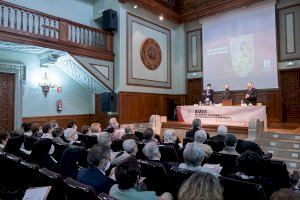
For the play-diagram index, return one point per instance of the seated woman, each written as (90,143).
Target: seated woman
(149,136)
(4,136)
(57,133)
(171,138)
(36,130)
(47,131)
(249,166)
(230,143)
(127,175)
(200,138)
(95,129)
(13,146)
(202,186)
(70,135)
(193,156)
(85,129)
(41,154)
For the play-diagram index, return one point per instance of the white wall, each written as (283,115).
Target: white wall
(76,99)
(80,11)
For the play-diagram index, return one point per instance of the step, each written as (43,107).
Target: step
(280,136)
(282,152)
(286,144)
(292,164)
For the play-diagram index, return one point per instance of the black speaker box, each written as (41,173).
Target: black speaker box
(109,102)
(110,20)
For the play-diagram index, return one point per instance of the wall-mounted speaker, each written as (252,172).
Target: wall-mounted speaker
(110,20)
(109,102)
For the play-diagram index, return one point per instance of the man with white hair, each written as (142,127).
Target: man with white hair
(196,126)
(200,138)
(104,138)
(151,151)
(217,142)
(130,147)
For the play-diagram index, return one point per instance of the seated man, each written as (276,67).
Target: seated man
(127,175)
(98,159)
(230,143)
(217,142)
(196,126)
(200,138)
(129,134)
(130,147)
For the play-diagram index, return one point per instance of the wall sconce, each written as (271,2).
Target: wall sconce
(46,85)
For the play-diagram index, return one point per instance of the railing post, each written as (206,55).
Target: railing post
(109,42)
(63,31)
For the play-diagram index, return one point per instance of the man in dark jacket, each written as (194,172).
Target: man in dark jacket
(196,126)
(251,94)
(98,159)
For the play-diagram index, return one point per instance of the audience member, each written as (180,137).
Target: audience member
(201,186)
(47,131)
(104,138)
(151,151)
(285,194)
(98,159)
(129,134)
(217,142)
(57,133)
(118,134)
(41,154)
(149,136)
(196,126)
(54,124)
(70,135)
(36,130)
(130,147)
(128,175)
(95,129)
(230,143)
(73,125)
(13,146)
(113,123)
(85,130)
(243,146)
(200,138)
(4,136)
(27,129)
(193,156)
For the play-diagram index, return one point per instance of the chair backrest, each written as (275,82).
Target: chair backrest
(81,137)
(90,141)
(168,153)
(55,180)
(2,165)
(117,145)
(228,162)
(59,149)
(29,142)
(235,189)
(77,190)
(187,140)
(12,175)
(140,154)
(177,177)
(29,174)
(103,196)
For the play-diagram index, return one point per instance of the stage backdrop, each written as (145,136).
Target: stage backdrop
(148,53)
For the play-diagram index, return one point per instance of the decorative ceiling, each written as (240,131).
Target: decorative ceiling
(186,10)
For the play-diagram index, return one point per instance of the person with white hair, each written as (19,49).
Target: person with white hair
(95,129)
(200,138)
(129,134)
(70,135)
(151,151)
(169,136)
(104,138)
(196,126)
(113,123)
(217,142)
(130,147)
(193,156)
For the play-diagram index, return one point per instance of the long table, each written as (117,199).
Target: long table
(222,115)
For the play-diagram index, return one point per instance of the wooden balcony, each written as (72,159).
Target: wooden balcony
(22,25)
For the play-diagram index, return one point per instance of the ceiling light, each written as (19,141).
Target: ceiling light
(135,6)
(161,18)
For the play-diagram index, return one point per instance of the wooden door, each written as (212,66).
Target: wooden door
(195,90)
(7,93)
(290,95)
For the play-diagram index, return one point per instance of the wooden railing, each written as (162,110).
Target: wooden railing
(19,20)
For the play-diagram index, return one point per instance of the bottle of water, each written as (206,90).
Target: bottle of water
(200,103)
(242,101)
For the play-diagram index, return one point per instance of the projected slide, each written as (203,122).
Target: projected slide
(239,48)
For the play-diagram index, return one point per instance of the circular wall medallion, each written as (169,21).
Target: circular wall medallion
(150,53)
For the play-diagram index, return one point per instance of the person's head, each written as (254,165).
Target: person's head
(127,173)
(35,128)
(230,140)
(128,129)
(73,125)
(250,163)
(193,154)
(196,123)
(57,132)
(85,129)
(200,136)
(4,136)
(285,194)
(169,136)
(26,127)
(148,134)
(130,146)
(104,138)
(99,156)
(222,130)
(54,124)
(208,86)
(226,87)
(151,151)
(204,185)
(47,128)
(249,85)
(95,127)
(70,134)
(113,122)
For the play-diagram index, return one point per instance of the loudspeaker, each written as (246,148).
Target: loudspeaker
(110,20)
(109,102)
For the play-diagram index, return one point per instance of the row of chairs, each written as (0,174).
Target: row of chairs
(20,175)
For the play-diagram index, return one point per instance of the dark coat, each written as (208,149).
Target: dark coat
(191,133)
(253,96)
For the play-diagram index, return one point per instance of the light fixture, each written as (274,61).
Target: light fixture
(161,17)
(135,6)
(46,85)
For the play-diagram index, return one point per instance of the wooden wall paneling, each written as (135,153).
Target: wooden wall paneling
(195,90)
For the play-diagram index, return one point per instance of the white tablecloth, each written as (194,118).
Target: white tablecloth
(222,115)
